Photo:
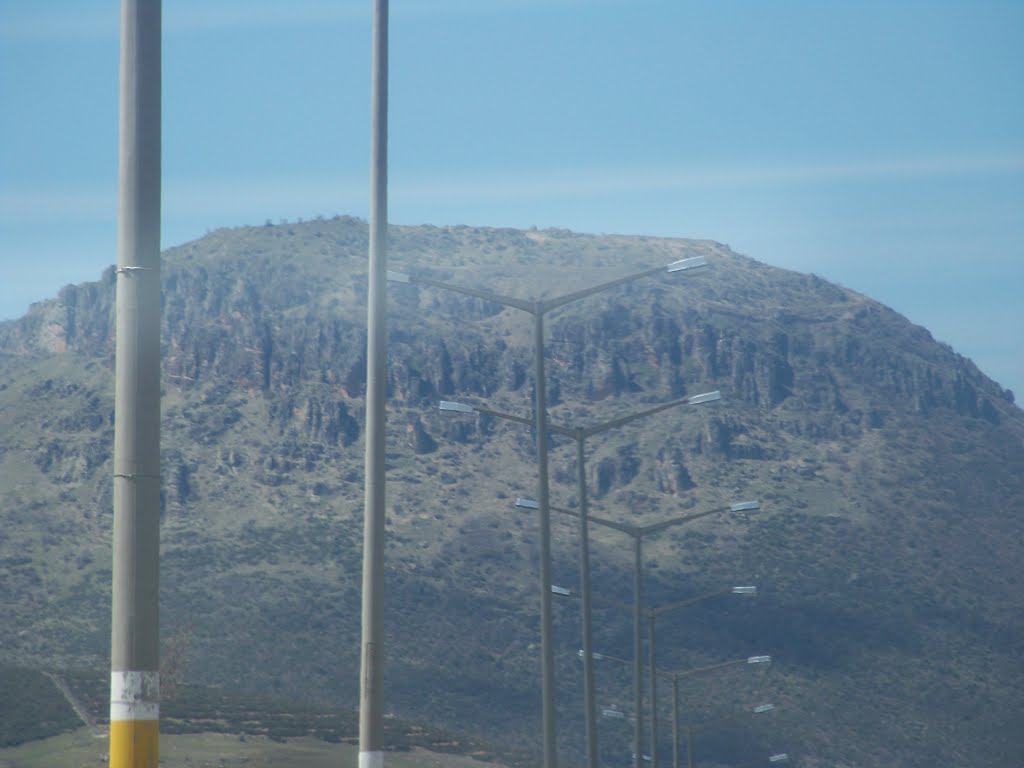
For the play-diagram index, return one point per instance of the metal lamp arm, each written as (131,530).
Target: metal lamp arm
(655,527)
(689,601)
(546,305)
(497,298)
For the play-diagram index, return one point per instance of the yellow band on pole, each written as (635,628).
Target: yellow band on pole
(134,719)
(134,743)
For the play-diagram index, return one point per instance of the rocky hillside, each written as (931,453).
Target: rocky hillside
(890,470)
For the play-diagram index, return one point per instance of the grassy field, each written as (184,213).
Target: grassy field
(80,749)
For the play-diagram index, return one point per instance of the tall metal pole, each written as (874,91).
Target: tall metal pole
(638,685)
(675,721)
(371,707)
(547,651)
(135,614)
(589,707)
(653,672)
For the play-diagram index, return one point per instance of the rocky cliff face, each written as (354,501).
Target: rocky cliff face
(889,468)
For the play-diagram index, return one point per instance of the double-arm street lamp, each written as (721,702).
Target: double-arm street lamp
(538,309)
(637,533)
(652,615)
(615,713)
(675,677)
(580,435)
(757,710)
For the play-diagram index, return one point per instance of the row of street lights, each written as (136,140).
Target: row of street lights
(538,309)
(637,533)
(693,728)
(579,435)
(675,677)
(653,671)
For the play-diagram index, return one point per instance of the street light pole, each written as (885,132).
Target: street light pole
(547,649)
(539,309)
(675,721)
(637,533)
(690,729)
(652,615)
(371,688)
(653,671)
(638,672)
(135,591)
(589,705)
(579,435)
(677,676)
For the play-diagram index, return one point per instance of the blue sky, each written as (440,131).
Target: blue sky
(877,144)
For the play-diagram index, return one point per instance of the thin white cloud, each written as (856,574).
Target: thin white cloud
(263,197)
(582,182)
(233,197)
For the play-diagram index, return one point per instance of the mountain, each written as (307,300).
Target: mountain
(890,471)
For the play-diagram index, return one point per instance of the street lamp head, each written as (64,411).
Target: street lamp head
(781,757)
(743,506)
(744,590)
(556,590)
(448,405)
(398,277)
(706,397)
(763,708)
(759,660)
(691,263)
(527,503)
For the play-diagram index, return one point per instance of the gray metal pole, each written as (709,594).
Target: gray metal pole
(638,684)
(689,746)
(675,721)
(547,652)
(653,672)
(589,707)
(371,707)
(135,614)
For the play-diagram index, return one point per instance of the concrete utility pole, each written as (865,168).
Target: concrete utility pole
(135,614)
(371,688)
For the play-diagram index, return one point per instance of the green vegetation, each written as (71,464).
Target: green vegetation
(34,709)
(81,749)
(31,707)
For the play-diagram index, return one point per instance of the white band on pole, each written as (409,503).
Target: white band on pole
(134,695)
(371,760)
